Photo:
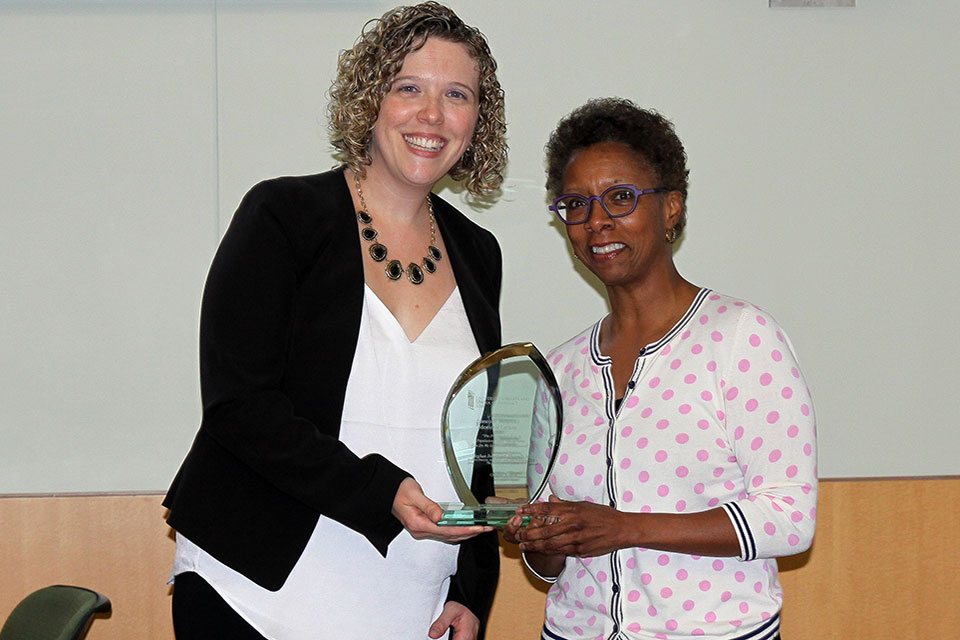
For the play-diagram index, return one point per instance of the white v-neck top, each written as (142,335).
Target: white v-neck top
(342,587)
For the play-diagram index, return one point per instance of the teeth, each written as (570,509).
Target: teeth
(425,144)
(607,248)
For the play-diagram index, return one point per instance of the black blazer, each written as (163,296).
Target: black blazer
(278,329)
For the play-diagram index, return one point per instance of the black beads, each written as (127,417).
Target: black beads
(414,273)
(394,270)
(378,252)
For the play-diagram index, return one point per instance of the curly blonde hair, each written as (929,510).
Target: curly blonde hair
(366,71)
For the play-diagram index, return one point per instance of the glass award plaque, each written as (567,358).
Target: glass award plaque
(501,430)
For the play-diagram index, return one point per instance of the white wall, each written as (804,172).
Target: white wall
(823,151)
(107,225)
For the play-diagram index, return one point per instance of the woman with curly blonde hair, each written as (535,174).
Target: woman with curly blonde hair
(365,75)
(338,310)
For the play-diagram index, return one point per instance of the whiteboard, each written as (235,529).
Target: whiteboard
(823,148)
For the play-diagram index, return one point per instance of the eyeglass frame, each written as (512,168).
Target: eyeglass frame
(589,201)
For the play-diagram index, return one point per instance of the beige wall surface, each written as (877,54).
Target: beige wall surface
(823,147)
(885,563)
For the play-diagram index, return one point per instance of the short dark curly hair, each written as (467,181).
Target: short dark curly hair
(366,71)
(646,132)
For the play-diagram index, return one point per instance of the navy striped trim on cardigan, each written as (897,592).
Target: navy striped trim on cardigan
(747,544)
(769,630)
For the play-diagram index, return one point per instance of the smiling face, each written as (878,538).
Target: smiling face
(428,116)
(626,250)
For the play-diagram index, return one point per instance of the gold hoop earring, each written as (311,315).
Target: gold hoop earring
(672,234)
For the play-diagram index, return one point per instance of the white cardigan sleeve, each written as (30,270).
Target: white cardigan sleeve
(770,423)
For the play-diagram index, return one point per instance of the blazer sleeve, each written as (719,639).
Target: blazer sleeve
(251,319)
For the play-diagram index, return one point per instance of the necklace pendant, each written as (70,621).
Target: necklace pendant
(393,270)
(414,273)
(378,252)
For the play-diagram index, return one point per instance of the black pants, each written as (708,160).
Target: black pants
(199,613)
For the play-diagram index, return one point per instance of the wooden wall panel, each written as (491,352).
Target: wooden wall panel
(885,563)
(118,545)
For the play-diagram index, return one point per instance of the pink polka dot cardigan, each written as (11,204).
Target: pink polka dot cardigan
(716,414)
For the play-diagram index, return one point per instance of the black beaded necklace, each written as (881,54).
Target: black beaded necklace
(378,251)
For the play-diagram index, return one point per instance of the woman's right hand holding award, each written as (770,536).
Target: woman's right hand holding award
(419,514)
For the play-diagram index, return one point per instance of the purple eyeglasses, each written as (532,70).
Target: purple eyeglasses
(618,201)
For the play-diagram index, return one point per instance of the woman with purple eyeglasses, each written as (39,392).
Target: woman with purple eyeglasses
(688,458)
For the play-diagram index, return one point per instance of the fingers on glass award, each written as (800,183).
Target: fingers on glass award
(501,430)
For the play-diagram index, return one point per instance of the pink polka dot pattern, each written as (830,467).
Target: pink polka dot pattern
(718,415)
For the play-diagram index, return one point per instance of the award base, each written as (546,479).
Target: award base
(456,514)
